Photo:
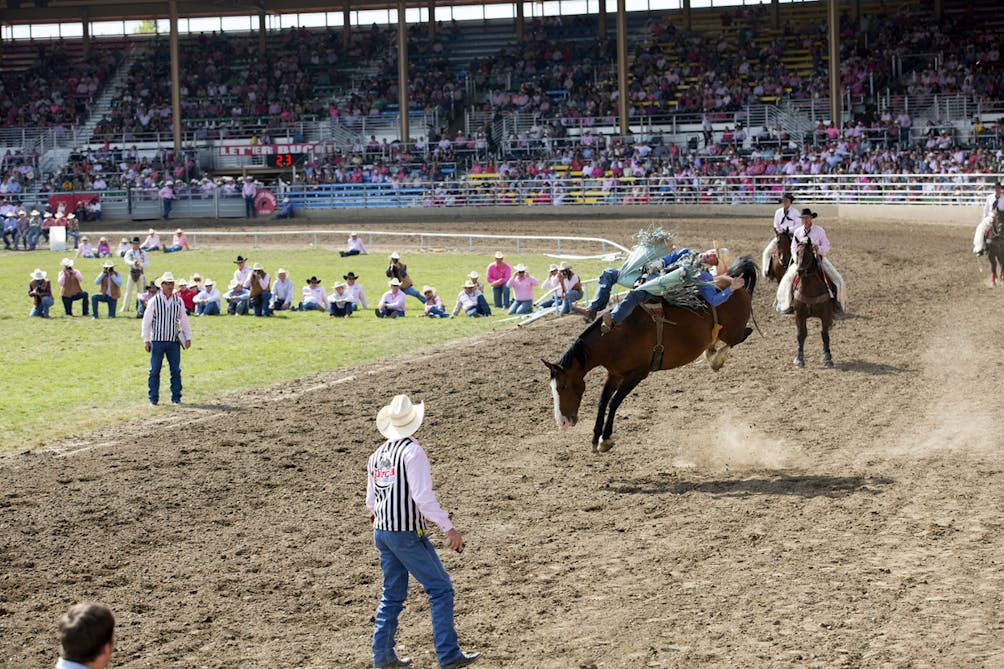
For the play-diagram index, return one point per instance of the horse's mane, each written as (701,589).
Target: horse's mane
(747,269)
(577,351)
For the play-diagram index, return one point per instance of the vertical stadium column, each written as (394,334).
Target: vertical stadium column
(172,6)
(603,19)
(261,34)
(519,21)
(686,15)
(775,14)
(834,30)
(402,72)
(622,106)
(432,20)
(346,24)
(86,25)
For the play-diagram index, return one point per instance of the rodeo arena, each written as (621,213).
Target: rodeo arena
(565,334)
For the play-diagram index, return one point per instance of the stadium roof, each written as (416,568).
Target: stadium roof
(40,12)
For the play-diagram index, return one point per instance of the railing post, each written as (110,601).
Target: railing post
(315,240)
(256,240)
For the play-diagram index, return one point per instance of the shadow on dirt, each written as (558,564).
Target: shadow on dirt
(875,368)
(800,486)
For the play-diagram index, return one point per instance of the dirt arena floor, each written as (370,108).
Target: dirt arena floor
(761,516)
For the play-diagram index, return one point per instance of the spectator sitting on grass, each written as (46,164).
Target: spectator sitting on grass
(434,307)
(313,297)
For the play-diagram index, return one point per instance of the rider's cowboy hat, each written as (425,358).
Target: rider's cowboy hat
(788,196)
(808,212)
(400,418)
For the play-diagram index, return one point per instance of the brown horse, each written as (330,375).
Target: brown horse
(995,249)
(652,338)
(782,256)
(812,300)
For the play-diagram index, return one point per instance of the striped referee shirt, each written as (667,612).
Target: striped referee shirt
(399,490)
(165,319)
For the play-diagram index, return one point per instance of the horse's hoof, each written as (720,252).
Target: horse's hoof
(606,445)
(799,363)
(828,362)
(596,447)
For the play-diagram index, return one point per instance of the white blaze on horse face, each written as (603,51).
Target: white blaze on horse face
(558,418)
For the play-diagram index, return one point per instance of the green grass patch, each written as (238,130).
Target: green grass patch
(65,376)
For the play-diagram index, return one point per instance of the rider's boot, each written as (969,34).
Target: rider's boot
(590,316)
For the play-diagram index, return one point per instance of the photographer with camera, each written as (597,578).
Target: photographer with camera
(259,284)
(398,270)
(110,283)
(136,260)
(569,288)
(71,288)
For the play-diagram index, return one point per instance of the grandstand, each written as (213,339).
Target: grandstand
(314,111)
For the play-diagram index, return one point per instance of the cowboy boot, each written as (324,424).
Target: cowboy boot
(590,316)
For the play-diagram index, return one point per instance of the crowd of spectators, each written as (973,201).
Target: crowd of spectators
(55,88)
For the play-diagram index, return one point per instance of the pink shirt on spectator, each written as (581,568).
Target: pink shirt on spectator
(393,299)
(522,288)
(498,274)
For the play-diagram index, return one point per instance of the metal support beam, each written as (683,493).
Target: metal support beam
(402,71)
(432,20)
(686,15)
(172,8)
(261,34)
(622,98)
(775,14)
(346,24)
(603,19)
(834,30)
(86,25)
(519,21)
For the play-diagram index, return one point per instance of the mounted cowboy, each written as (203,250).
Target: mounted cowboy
(992,207)
(650,245)
(821,245)
(785,221)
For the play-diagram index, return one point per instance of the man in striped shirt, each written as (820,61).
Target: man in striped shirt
(399,494)
(165,331)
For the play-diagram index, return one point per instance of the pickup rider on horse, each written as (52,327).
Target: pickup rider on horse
(821,244)
(991,208)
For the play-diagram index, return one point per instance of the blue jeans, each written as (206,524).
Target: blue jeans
(571,297)
(350,252)
(521,307)
(33,235)
(68,302)
(101,297)
(500,297)
(167,208)
(158,351)
(483,307)
(249,211)
(403,553)
(436,312)
(628,304)
(238,307)
(410,290)
(42,310)
(603,286)
(76,237)
(207,308)
(311,306)
(173,249)
(389,313)
(260,303)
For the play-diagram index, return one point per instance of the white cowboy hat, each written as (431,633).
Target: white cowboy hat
(473,275)
(428,289)
(196,276)
(400,418)
(166,277)
(209,282)
(152,231)
(339,284)
(66,262)
(281,270)
(564,265)
(257,266)
(70,217)
(395,256)
(233,284)
(179,231)
(182,282)
(38,274)
(109,263)
(499,255)
(552,268)
(520,267)
(470,284)
(394,282)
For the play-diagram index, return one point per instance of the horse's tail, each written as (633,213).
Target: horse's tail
(747,269)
